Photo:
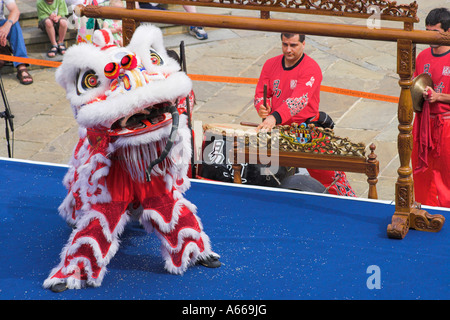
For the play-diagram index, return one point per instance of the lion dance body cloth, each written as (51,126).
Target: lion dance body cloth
(132,158)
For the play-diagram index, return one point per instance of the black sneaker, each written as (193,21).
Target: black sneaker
(210,261)
(59,287)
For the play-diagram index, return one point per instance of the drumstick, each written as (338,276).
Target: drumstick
(265,99)
(249,124)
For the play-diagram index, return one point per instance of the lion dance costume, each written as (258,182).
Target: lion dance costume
(132,157)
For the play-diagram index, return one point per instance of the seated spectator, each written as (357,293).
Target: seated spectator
(52,20)
(115,26)
(10,31)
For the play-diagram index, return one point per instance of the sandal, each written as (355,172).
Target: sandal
(62,48)
(52,52)
(24,76)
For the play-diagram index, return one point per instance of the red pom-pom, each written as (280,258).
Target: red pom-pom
(129,62)
(112,70)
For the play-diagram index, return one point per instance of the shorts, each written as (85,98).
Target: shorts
(41,24)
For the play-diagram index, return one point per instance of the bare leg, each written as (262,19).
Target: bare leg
(62,29)
(50,29)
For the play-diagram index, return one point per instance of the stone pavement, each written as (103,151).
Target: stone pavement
(44,128)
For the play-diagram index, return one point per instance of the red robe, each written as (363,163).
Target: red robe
(431,131)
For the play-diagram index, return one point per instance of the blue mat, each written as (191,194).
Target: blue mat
(273,244)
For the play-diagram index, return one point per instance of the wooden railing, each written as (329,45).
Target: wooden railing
(407,214)
(384,10)
(131,18)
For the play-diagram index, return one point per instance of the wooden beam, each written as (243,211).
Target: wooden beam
(271,25)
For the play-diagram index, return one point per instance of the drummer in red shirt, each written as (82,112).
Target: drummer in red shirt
(431,130)
(293,82)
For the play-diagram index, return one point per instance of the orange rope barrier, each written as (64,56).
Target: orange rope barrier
(199,77)
(347,92)
(224,79)
(360,94)
(45,63)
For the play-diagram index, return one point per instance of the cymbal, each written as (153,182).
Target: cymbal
(418,87)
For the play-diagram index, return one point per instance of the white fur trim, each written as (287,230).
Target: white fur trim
(78,59)
(186,260)
(190,255)
(166,227)
(148,36)
(72,247)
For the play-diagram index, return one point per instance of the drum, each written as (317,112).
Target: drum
(218,148)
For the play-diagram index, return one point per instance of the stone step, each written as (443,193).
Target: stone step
(37,40)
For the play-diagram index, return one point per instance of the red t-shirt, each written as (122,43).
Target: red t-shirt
(294,91)
(438,67)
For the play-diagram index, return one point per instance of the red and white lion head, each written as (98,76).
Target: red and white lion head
(133,96)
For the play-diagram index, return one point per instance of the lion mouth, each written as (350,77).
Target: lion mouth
(146,120)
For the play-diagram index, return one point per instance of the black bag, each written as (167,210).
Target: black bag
(217,166)
(7,51)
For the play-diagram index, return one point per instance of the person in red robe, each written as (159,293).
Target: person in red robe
(431,128)
(293,83)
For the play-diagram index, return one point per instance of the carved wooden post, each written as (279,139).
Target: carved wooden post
(372,171)
(408,214)
(404,188)
(129,25)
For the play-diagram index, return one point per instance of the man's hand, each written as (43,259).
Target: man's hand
(430,95)
(14,14)
(4,31)
(264,111)
(267,124)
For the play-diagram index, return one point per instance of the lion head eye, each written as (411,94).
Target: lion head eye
(86,81)
(91,81)
(155,58)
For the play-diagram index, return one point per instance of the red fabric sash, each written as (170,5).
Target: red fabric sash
(427,140)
